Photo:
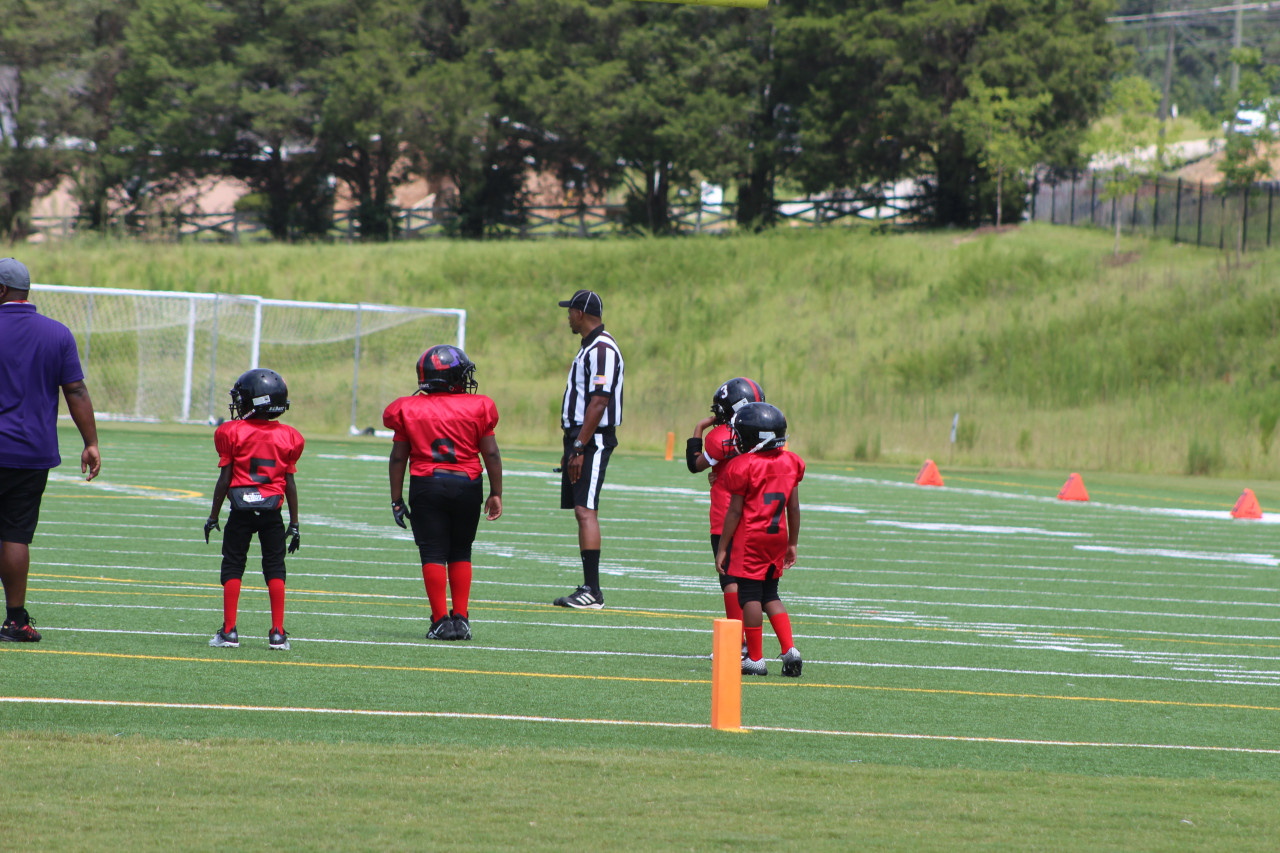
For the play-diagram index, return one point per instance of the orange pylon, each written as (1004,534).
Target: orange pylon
(1073,489)
(726,675)
(1247,506)
(671,447)
(928,475)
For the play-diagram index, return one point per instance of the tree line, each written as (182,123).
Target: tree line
(134,98)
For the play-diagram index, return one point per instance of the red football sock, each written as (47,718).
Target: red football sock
(433,575)
(755,642)
(460,585)
(275,591)
(781,623)
(732,609)
(230,600)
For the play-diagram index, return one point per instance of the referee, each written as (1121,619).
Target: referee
(591,410)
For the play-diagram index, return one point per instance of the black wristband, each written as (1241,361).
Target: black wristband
(692,450)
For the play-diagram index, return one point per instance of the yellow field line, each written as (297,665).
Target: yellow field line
(627,678)
(373,597)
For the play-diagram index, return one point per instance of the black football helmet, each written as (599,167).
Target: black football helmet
(732,395)
(758,426)
(446,368)
(259,393)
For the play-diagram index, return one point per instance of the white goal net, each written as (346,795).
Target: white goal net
(164,356)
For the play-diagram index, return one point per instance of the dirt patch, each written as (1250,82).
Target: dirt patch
(1207,170)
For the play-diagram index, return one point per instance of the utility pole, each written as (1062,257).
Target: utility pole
(1168,76)
(1235,44)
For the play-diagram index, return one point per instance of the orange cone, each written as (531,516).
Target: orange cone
(928,475)
(1247,506)
(1073,490)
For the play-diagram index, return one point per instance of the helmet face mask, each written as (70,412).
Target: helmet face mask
(446,369)
(757,427)
(259,393)
(732,396)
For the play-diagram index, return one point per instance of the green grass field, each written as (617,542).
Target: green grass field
(986,668)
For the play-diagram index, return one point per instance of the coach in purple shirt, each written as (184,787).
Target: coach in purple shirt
(39,357)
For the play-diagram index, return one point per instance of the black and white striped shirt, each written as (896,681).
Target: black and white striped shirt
(596,369)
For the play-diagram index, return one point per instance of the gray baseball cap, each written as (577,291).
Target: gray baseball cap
(14,274)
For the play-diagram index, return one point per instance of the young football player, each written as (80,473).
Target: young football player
(761,528)
(700,455)
(439,435)
(258,456)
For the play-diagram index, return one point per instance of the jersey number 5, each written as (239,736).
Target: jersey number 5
(256,463)
(775,521)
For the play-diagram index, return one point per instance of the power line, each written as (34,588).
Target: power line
(1193,13)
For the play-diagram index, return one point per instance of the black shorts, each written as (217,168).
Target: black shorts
(725,580)
(444,510)
(242,524)
(755,589)
(21,490)
(595,459)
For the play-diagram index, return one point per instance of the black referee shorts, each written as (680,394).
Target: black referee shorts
(21,490)
(595,459)
(444,510)
(242,524)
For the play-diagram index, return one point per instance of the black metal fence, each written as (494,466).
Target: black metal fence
(1171,208)
(536,222)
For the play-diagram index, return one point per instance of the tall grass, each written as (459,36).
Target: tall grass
(1053,354)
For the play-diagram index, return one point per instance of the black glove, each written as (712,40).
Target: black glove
(211,524)
(399,512)
(295,538)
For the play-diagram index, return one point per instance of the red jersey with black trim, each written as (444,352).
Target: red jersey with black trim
(713,447)
(259,452)
(443,430)
(765,481)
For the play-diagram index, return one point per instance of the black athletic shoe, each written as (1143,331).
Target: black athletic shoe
(442,629)
(225,639)
(461,627)
(278,640)
(12,632)
(791,663)
(581,598)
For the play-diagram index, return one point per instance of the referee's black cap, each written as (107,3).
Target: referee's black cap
(586,301)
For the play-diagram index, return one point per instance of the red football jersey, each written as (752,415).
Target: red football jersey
(259,452)
(714,449)
(443,430)
(765,481)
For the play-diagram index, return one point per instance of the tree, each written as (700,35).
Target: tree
(887,75)
(1000,130)
(1248,156)
(1126,145)
(235,88)
(364,112)
(38,44)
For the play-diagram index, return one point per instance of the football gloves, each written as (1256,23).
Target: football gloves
(294,537)
(211,524)
(399,512)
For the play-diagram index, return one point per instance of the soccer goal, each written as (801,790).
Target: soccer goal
(163,356)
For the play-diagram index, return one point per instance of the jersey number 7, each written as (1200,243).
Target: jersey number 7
(775,521)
